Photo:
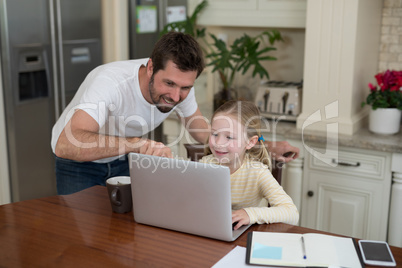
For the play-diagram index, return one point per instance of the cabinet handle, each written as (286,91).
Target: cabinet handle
(345,164)
(310,193)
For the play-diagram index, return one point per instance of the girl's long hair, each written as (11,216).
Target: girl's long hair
(249,116)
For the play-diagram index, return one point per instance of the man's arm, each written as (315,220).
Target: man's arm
(282,151)
(198,127)
(80,141)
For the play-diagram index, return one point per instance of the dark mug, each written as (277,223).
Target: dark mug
(119,189)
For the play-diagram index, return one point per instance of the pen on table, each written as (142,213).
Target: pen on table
(303,248)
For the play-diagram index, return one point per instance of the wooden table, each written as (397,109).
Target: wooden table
(81,230)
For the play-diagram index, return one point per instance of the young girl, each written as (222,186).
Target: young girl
(236,142)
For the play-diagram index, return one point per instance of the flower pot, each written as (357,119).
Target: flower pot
(385,120)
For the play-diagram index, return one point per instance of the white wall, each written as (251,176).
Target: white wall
(4,174)
(115,30)
(391,37)
(289,54)
(341,57)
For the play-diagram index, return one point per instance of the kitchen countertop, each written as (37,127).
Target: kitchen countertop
(362,139)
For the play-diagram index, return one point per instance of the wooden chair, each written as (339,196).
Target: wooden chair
(196,151)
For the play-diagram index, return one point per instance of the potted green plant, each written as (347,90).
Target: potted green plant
(244,53)
(385,99)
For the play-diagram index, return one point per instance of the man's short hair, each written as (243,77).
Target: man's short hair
(182,49)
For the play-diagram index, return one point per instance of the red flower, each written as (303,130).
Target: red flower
(389,94)
(399,79)
(389,79)
(372,87)
(379,78)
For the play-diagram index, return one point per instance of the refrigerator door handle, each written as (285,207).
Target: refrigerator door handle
(54,61)
(61,59)
(162,11)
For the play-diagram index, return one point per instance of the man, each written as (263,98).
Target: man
(120,102)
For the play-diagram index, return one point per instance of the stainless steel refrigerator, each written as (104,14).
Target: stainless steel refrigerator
(146,20)
(47,48)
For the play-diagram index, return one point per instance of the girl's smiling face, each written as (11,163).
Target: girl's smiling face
(228,141)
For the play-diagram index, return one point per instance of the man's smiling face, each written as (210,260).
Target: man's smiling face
(170,86)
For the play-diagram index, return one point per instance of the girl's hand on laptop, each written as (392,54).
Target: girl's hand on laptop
(241,218)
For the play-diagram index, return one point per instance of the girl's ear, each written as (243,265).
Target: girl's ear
(251,142)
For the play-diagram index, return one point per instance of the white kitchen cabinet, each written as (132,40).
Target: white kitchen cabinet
(395,216)
(255,13)
(347,193)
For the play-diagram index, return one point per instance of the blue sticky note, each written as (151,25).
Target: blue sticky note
(266,252)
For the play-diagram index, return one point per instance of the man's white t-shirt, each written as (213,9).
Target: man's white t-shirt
(111,95)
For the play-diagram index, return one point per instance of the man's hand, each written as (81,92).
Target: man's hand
(151,147)
(282,151)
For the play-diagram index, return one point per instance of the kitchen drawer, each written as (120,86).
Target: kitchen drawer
(360,163)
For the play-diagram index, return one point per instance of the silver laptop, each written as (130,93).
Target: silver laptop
(182,195)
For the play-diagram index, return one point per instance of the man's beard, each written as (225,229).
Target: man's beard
(156,99)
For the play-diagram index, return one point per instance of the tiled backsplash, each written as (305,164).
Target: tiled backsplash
(391,36)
